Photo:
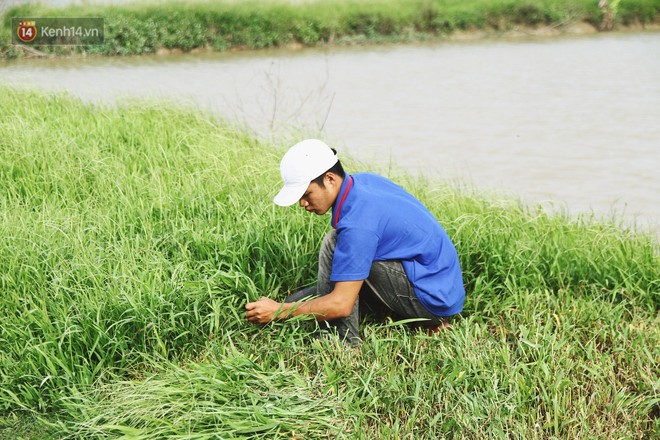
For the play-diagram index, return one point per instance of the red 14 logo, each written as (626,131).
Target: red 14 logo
(27,31)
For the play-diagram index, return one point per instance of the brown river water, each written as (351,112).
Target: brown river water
(570,123)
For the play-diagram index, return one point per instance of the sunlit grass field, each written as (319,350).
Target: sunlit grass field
(131,237)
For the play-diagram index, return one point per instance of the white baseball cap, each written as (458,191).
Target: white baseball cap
(303,163)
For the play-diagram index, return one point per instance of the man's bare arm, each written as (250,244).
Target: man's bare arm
(337,304)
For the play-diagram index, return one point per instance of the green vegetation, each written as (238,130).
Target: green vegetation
(146,27)
(132,236)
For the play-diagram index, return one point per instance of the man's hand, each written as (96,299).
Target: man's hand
(264,310)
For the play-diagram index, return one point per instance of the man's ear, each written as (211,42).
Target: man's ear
(330,178)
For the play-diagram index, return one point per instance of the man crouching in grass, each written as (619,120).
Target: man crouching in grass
(385,246)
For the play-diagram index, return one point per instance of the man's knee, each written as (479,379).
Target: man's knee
(328,245)
(330,239)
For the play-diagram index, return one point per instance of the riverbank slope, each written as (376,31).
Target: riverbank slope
(133,235)
(143,28)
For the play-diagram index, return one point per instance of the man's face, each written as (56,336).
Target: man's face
(319,199)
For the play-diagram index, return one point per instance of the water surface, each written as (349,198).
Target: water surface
(573,122)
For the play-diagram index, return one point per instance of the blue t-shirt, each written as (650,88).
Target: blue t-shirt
(378,220)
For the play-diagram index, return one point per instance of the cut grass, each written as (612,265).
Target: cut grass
(132,237)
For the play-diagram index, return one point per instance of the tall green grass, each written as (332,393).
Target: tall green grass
(131,237)
(148,27)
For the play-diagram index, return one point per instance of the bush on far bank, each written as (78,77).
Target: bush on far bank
(142,28)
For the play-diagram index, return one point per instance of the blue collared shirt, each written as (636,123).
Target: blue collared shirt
(378,220)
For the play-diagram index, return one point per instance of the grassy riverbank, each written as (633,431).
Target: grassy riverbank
(150,28)
(131,238)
